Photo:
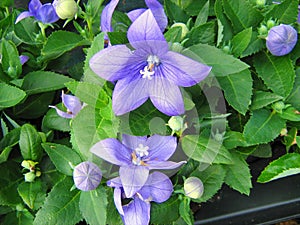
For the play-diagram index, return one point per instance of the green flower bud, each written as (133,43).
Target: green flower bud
(29,177)
(278,106)
(176,123)
(263,30)
(260,2)
(226,49)
(193,187)
(270,24)
(184,29)
(66,9)
(29,164)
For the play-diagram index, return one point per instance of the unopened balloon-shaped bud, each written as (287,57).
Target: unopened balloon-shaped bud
(281,39)
(29,177)
(66,9)
(263,30)
(193,187)
(87,176)
(278,106)
(270,24)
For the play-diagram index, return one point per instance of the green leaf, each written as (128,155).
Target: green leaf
(241,14)
(262,99)
(205,150)
(212,178)
(61,205)
(262,151)
(234,139)
(32,194)
(185,211)
(263,127)
(202,15)
(30,143)
(222,63)
(256,44)
(114,216)
(238,90)
(286,12)
(11,63)
(240,41)
(168,208)
(42,81)
(277,72)
(238,175)
(173,34)
(290,114)
(284,166)
(53,121)
(117,38)
(62,157)
(27,30)
(92,205)
(225,31)
(18,218)
(175,12)
(10,95)
(293,98)
(60,42)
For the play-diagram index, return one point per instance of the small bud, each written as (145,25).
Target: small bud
(260,2)
(29,164)
(38,173)
(281,40)
(193,187)
(12,71)
(87,176)
(263,30)
(184,29)
(270,24)
(278,106)
(226,49)
(29,177)
(20,207)
(284,132)
(176,123)
(66,9)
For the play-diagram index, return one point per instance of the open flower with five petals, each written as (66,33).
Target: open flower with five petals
(136,156)
(151,70)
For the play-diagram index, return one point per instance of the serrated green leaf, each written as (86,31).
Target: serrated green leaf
(27,30)
(30,143)
(202,15)
(222,63)
(168,208)
(284,166)
(262,151)
(262,127)
(175,12)
(60,42)
(117,38)
(256,44)
(61,206)
(290,114)
(238,175)
(212,178)
(32,194)
(18,218)
(240,41)
(173,35)
(10,95)
(62,157)
(286,12)
(293,98)
(263,98)
(234,139)
(238,90)
(92,205)
(55,122)
(241,14)
(11,63)
(185,211)
(277,72)
(227,30)
(11,139)
(42,81)
(205,150)
(290,137)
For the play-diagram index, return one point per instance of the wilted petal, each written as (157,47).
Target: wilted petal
(114,63)
(165,165)
(133,178)
(158,188)
(132,142)
(143,29)
(62,113)
(111,150)
(158,12)
(46,14)
(128,96)
(182,70)
(134,14)
(72,103)
(23,15)
(161,147)
(166,96)
(106,16)
(87,176)
(137,212)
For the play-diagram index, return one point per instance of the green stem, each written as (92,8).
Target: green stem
(43,29)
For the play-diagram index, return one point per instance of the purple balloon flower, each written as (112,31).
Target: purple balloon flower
(23,59)
(87,176)
(151,70)
(43,13)
(158,188)
(136,156)
(72,104)
(281,39)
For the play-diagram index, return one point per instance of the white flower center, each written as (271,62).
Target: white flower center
(142,150)
(148,71)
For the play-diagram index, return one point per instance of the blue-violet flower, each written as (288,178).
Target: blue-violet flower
(136,156)
(87,176)
(151,70)
(281,39)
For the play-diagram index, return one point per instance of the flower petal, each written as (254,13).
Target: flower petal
(165,165)
(158,12)
(137,212)
(133,178)
(111,150)
(134,14)
(47,14)
(114,63)
(62,113)
(166,96)
(143,29)
(182,70)
(106,16)
(118,200)
(23,15)
(132,142)
(158,188)
(34,5)
(72,103)
(161,147)
(115,182)
(23,59)
(129,95)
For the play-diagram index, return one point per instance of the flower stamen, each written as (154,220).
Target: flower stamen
(147,72)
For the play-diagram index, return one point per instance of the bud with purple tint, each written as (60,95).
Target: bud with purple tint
(193,187)
(281,39)
(87,176)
